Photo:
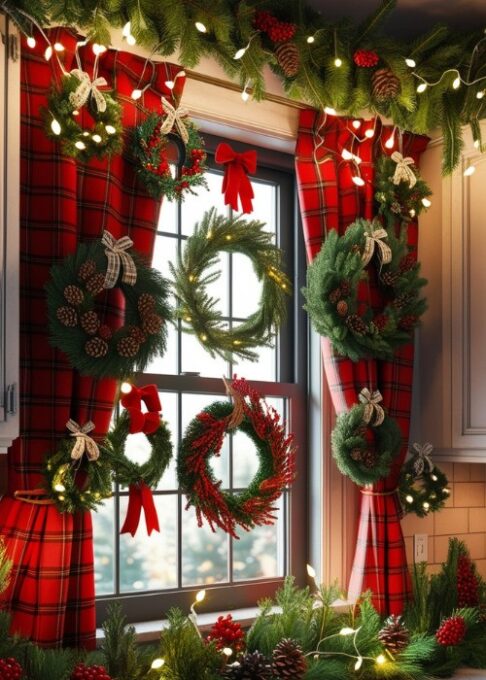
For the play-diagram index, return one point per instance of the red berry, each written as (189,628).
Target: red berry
(366,58)
(451,632)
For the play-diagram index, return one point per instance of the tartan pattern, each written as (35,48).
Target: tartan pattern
(330,200)
(51,595)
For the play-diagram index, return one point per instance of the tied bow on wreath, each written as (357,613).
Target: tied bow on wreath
(118,258)
(87,88)
(372,407)
(84,443)
(132,401)
(403,171)
(174,118)
(236,183)
(374,235)
(422,461)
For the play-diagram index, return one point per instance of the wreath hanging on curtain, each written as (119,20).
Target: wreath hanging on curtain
(332,291)
(93,346)
(423,486)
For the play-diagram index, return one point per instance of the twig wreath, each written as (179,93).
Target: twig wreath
(332,292)
(76,476)
(422,485)
(203,439)
(92,346)
(198,311)
(151,141)
(103,134)
(365,440)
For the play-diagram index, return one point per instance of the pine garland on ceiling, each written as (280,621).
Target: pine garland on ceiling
(323,64)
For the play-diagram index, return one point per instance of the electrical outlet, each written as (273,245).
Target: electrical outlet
(420,547)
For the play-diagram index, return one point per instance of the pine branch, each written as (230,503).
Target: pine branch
(371,24)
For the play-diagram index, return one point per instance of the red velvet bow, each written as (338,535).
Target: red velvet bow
(132,402)
(236,182)
(140,496)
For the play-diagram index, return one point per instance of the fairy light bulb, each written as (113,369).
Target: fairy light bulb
(127,29)
(311,571)
(48,53)
(426,506)
(227,651)
(240,53)
(346,155)
(310,39)
(433,478)
(136,94)
(125,388)
(476,144)
(97,138)
(330,111)
(98,49)
(411,62)
(426,203)
(157,663)
(346,631)
(56,127)
(131,40)
(31,42)
(421,88)
(469,171)
(59,47)
(201,27)
(409,499)
(359,663)
(200,595)
(170,84)
(480,94)
(245,96)
(369,133)
(380,659)
(390,142)
(59,487)
(356,124)
(457,83)
(446,491)
(110,129)
(338,62)
(359,181)
(80,145)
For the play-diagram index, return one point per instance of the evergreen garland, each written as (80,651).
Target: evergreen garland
(198,311)
(166,27)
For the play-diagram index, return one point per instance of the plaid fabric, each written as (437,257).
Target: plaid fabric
(51,596)
(330,200)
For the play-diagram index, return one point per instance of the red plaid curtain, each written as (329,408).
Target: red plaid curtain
(329,199)
(51,595)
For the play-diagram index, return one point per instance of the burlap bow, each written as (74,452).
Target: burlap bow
(403,171)
(84,443)
(371,401)
(422,459)
(87,88)
(174,119)
(374,233)
(118,258)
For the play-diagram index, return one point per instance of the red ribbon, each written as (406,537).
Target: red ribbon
(140,497)
(142,422)
(236,182)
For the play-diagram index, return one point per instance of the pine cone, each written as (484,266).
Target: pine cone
(288,58)
(95,284)
(128,347)
(404,300)
(380,322)
(335,295)
(137,334)
(146,304)
(73,295)
(394,634)
(105,332)
(342,308)
(356,324)
(288,660)
(408,322)
(249,667)
(90,322)
(407,263)
(389,278)
(87,269)
(385,85)
(83,672)
(10,669)
(365,456)
(451,631)
(151,324)
(96,348)
(67,316)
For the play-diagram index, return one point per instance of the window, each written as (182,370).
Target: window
(153,573)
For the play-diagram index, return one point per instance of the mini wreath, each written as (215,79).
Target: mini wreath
(203,439)
(422,485)
(76,476)
(93,347)
(356,457)
(65,108)
(332,292)
(152,139)
(198,311)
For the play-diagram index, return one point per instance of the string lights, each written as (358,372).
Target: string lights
(242,51)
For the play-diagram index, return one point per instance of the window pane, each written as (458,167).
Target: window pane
(195,359)
(204,553)
(264,368)
(104,548)
(168,216)
(247,289)
(264,205)
(193,207)
(165,251)
(150,562)
(169,414)
(166,364)
(245,460)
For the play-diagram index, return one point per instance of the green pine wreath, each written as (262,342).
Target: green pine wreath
(126,471)
(423,493)
(356,457)
(102,137)
(198,311)
(93,346)
(332,295)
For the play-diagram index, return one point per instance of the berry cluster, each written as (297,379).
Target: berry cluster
(407,263)
(365,58)
(227,633)
(197,157)
(83,672)
(10,669)
(161,169)
(277,31)
(467,583)
(451,632)
(408,322)
(380,321)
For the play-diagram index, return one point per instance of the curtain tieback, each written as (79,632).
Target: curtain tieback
(33,496)
(368,492)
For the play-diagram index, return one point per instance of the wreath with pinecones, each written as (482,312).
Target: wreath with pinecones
(356,330)
(97,343)
(423,486)
(203,439)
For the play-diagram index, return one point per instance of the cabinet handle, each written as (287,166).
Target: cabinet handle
(11,400)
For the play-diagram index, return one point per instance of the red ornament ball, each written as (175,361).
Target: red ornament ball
(451,632)
(366,58)
(467,583)
(227,633)
(83,672)
(10,669)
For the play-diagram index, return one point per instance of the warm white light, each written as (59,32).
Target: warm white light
(446,490)
(390,142)
(127,29)
(433,478)
(200,595)
(85,133)
(426,203)
(59,47)
(370,133)
(310,39)
(125,388)
(338,62)
(56,127)
(470,171)
(110,129)
(240,53)
(227,651)
(380,659)
(411,62)
(311,571)
(170,84)
(357,159)
(330,111)
(201,27)
(347,155)
(356,124)
(409,499)
(76,113)
(131,40)
(476,144)
(426,506)
(457,83)
(98,49)
(59,487)
(157,663)
(48,53)
(346,631)
(80,145)
(412,212)
(358,663)
(421,88)
(97,139)
(359,181)
(245,96)
(31,42)
(136,94)
(480,94)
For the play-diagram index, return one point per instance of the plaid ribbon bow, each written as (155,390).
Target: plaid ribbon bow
(87,88)
(403,171)
(374,233)
(118,258)
(371,401)
(84,443)
(174,119)
(422,458)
